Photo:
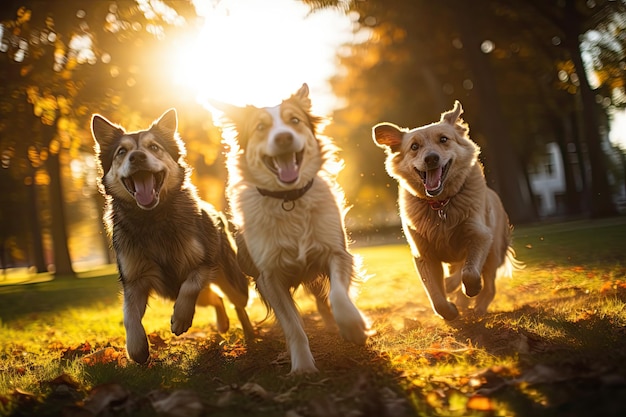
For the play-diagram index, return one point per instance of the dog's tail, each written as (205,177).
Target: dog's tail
(510,264)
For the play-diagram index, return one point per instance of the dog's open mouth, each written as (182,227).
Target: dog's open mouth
(434,179)
(285,166)
(145,187)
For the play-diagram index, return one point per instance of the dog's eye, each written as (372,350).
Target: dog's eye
(153,148)
(443,139)
(121,152)
(260,127)
(295,120)
(414,146)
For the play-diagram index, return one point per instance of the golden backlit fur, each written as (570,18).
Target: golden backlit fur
(284,240)
(167,241)
(448,213)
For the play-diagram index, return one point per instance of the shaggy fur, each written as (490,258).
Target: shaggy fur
(448,213)
(289,214)
(166,239)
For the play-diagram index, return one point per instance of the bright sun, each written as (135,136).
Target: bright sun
(260,52)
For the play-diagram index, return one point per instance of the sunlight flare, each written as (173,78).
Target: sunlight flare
(252,52)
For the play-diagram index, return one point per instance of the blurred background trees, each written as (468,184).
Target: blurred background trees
(528,74)
(519,68)
(60,62)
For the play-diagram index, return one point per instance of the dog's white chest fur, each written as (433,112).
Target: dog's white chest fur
(289,241)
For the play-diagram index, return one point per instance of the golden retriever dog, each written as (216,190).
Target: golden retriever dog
(448,213)
(166,239)
(289,213)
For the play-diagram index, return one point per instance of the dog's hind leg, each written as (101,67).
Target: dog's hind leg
(319,289)
(208,297)
(239,300)
(135,301)
(351,324)
(453,281)
(279,298)
(488,293)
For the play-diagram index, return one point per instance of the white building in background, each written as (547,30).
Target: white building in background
(547,179)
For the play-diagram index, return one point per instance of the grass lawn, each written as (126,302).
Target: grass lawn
(553,344)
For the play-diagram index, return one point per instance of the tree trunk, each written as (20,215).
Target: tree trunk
(107,249)
(37,254)
(62,260)
(500,155)
(601,199)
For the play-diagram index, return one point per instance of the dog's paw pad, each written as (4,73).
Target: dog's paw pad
(180,326)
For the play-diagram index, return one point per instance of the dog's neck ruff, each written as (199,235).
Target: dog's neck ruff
(438,206)
(289,197)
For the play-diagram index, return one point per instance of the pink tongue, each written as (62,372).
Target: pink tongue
(288,170)
(144,188)
(433,178)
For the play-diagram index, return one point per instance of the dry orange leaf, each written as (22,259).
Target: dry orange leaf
(480,403)
(157,341)
(106,355)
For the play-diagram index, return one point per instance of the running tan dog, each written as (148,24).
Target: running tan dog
(448,213)
(289,211)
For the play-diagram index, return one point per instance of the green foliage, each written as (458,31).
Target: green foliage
(551,345)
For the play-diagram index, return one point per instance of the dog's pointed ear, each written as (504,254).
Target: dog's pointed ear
(168,122)
(388,136)
(230,111)
(302,95)
(453,116)
(103,131)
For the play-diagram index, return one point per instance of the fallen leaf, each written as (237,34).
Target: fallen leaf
(105,396)
(76,351)
(157,341)
(102,356)
(254,390)
(64,379)
(179,403)
(480,403)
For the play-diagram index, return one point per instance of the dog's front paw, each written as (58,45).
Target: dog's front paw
(448,311)
(471,282)
(351,324)
(137,348)
(181,322)
(302,363)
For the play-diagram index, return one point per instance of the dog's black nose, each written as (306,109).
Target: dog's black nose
(137,157)
(432,160)
(283,139)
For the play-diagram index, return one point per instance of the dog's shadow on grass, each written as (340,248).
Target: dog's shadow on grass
(351,379)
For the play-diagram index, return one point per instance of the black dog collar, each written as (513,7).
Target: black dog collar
(288,196)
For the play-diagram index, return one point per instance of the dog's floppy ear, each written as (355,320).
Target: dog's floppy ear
(388,136)
(452,116)
(235,119)
(233,113)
